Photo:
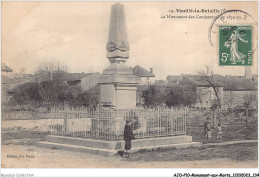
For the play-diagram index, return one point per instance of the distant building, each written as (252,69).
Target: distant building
(235,89)
(228,86)
(174,79)
(147,78)
(83,80)
(205,92)
(5,83)
(5,68)
(159,82)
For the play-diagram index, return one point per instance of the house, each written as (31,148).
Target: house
(83,80)
(206,96)
(235,90)
(174,79)
(5,68)
(146,77)
(231,89)
(6,81)
(159,82)
(205,92)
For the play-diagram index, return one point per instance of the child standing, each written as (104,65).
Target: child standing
(128,136)
(207,130)
(219,131)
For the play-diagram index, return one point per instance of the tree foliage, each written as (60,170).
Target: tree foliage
(171,95)
(51,93)
(26,94)
(153,97)
(176,95)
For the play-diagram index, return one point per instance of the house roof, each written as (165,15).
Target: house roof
(5,68)
(141,72)
(229,83)
(174,78)
(236,83)
(199,81)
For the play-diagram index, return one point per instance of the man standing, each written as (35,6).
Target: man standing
(128,136)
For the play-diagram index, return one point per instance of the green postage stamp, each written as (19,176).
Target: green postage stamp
(235,45)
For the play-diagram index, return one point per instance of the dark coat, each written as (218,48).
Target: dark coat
(128,133)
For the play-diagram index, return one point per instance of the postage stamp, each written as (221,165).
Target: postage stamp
(235,45)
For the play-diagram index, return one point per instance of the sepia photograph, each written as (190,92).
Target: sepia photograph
(129,84)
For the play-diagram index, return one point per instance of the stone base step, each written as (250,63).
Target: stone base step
(119,144)
(77,148)
(107,152)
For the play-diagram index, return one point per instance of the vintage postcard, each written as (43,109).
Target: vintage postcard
(129,84)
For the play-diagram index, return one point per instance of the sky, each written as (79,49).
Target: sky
(76,33)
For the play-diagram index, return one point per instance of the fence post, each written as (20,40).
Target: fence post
(185,120)
(65,121)
(158,122)
(172,120)
(85,127)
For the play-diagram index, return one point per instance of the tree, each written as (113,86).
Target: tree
(189,98)
(25,94)
(152,97)
(88,99)
(250,99)
(229,100)
(44,71)
(176,95)
(52,90)
(173,95)
(22,70)
(55,92)
(208,77)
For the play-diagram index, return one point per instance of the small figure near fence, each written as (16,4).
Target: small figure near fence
(219,136)
(128,137)
(207,130)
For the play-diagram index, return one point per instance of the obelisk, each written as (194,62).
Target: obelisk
(118,86)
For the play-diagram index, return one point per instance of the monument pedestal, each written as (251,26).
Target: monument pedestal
(118,91)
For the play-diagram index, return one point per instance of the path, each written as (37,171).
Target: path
(230,142)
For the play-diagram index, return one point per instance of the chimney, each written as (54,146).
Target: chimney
(151,70)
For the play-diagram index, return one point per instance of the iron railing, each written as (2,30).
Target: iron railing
(108,124)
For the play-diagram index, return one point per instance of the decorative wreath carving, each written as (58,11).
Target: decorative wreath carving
(121,46)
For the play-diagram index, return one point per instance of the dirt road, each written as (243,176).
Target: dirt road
(26,156)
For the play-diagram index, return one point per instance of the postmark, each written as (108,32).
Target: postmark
(235,45)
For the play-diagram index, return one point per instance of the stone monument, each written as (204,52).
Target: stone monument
(118,84)
(118,90)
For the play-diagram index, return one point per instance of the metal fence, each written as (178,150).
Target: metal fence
(108,124)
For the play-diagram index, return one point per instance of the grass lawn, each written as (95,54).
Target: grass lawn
(231,156)
(237,152)
(233,128)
